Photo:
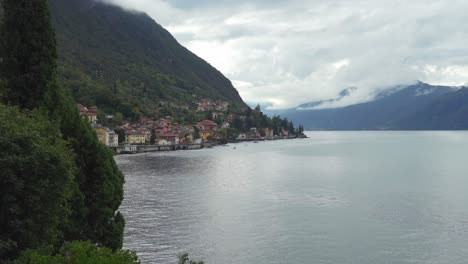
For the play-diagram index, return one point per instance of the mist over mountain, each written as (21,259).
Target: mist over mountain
(416,107)
(324,103)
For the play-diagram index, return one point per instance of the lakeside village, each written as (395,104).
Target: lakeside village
(223,126)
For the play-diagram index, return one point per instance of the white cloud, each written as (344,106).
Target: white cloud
(293,52)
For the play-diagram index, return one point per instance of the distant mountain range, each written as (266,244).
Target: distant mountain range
(416,107)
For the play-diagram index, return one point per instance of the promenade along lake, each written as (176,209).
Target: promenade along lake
(337,197)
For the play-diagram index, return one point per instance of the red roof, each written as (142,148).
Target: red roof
(207,123)
(169,135)
(84,110)
(133,132)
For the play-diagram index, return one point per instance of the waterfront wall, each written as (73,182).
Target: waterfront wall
(127,149)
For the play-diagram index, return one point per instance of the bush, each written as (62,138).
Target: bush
(36,179)
(184,259)
(78,253)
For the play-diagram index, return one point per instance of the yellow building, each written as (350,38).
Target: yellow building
(135,138)
(102,135)
(107,136)
(89,113)
(205,134)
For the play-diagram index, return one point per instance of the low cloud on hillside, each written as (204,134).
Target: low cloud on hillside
(285,53)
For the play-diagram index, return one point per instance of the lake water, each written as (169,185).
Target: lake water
(337,197)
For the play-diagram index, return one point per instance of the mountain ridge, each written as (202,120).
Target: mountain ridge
(394,109)
(126,62)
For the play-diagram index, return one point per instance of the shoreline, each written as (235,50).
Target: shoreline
(139,149)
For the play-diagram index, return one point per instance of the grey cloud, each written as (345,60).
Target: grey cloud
(285,53)
(195,4)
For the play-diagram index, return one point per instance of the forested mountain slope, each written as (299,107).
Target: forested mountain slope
(125,62)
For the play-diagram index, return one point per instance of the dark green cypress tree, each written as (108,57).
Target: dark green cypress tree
(100,182)
(29,69)
(36,181)
(153,136)
(291,127)
(29,63)
(100,186)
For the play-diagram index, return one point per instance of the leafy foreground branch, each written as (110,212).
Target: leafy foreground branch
(184,259)
(78,253)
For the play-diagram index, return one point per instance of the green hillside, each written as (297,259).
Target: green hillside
(126,62)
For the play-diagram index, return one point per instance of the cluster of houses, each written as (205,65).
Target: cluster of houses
(89,113)
(205,105)
(268,133)
(165,132)
(105,135)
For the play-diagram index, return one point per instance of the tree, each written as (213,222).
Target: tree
(184,259)
(248,112)
(285,124)
(196,133)
(100,185)
(276,124)
(118,118)
(257,108)
(238,123)
(29,65)
(36,182)
(153,137)
(291,127)
(121,133)
(76,253)
(29,68)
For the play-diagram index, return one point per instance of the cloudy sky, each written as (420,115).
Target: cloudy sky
(285,53)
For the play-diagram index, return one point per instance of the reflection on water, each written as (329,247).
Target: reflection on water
(338,197)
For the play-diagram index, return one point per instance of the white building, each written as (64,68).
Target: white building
(112,139)
(163,142)
(242,136)
(130,148)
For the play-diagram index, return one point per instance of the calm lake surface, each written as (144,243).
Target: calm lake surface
(337,197)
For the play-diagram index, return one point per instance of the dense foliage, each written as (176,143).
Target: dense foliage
(28,56)
(60,183)
(124,62)
(78,253)
(255,118)
(100,185)
(184,259)
(36,182)
(30,74)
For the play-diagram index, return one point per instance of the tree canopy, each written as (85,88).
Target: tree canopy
(61,184)
(36,181)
